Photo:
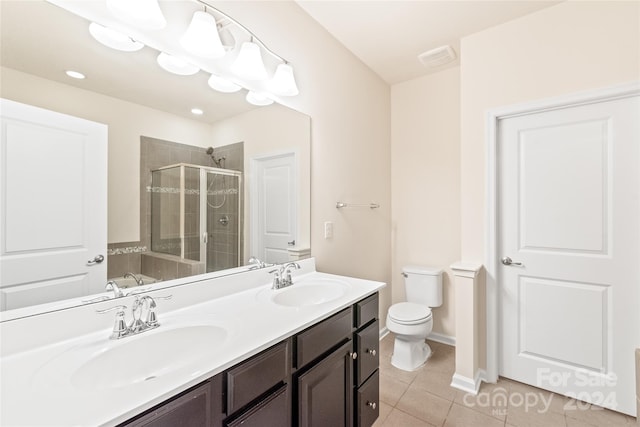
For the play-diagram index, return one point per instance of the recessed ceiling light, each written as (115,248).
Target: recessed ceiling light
(197,111)
(75,74)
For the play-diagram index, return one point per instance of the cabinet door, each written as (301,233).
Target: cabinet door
(325,392)
(192,409)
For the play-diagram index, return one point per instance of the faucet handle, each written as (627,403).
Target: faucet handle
(277,278)
(120,328)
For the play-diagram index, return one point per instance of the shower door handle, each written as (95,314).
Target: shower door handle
(205,237)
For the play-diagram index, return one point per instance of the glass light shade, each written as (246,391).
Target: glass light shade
(283,82)
(176,65)
(249,65)
(114,39)
(202,38)
(258,99)
(222,85)
(141,13)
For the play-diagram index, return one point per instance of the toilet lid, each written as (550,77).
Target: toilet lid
(409,313)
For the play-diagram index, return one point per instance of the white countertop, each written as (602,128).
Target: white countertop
(36,382)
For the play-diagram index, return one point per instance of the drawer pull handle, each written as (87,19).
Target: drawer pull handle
(372,352)
(372,405)
(353,355)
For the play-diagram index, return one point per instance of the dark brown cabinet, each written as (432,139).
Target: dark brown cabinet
(325,391)
(326,375)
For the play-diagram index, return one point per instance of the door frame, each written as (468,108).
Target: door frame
(493,306)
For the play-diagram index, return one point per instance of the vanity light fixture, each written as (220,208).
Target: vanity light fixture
(222,85)
(283,82)
(75,74)
(114,39)
(197,111)
(258,99)
(141,13)
(202,38)
(176,65)
(249,65)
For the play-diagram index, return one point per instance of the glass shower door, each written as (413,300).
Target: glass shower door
(221,218)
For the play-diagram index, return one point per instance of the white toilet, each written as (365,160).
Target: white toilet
(412,321)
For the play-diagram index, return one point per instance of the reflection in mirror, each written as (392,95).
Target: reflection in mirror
(251,161)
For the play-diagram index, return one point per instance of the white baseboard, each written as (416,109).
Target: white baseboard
(384,332)
(467,384)
(441,338)
(433,336)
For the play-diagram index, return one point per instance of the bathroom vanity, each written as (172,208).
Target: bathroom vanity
(230,351)
(326,375)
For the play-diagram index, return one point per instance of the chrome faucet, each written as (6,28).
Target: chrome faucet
(123,329)
(138,279)
(113,286)
(282,275)
(256,263)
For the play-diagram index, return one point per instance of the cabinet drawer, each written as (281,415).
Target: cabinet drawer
(322,337)
(254,377)
(190,409)
(367,347)
(274,411)
(366,310)
(368,402)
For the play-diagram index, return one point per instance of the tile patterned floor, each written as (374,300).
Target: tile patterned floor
(423,398)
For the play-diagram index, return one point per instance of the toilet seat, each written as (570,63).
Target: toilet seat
(408,313)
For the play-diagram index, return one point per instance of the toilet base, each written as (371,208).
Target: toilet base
(410,354)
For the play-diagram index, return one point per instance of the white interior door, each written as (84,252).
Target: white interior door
(53,192)
(274,207)
(569,213)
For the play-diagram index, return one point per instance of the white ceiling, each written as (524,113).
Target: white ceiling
(389,35)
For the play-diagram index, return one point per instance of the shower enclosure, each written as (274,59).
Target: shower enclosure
(196,214)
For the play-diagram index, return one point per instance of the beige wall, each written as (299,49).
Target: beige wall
(573,46)
(350,115)
(124,138)
(425,182)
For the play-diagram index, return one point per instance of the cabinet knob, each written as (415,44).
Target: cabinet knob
(372,352)
(353,355)
(372,405)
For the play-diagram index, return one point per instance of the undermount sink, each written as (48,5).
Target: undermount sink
(134,360)
(308,292)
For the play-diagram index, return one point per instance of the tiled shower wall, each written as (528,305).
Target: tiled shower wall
(154,154)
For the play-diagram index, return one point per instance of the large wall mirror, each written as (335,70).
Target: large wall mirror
(185,192)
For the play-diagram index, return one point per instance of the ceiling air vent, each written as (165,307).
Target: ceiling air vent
(438,56)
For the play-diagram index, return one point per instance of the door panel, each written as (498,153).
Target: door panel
(53,187)
(568,212)
(275,211)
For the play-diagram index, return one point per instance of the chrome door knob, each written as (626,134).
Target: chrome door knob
(96,260)
(508,261)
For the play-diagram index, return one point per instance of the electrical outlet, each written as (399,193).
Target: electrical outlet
(328,230)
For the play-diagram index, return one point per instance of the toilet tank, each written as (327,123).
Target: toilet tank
(423,285)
